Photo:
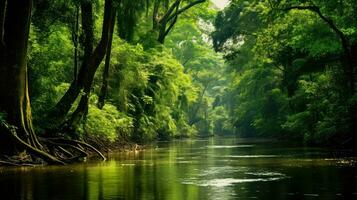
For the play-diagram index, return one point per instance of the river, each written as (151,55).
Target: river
(216,168)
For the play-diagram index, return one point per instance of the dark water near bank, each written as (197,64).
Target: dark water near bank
(195,169)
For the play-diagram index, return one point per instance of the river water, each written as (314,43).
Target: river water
(229,168)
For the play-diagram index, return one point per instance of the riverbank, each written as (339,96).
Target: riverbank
(100,147)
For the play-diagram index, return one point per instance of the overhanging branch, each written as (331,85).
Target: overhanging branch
(344,40)
(188,6)
(317,10)
(168,13)
(173,22)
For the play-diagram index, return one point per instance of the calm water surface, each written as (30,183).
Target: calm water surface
(195,169)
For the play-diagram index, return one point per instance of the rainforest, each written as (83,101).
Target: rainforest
(178,99)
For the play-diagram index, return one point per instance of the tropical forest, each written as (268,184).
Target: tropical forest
(178,99)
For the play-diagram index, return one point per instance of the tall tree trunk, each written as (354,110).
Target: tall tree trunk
(155,15)
(88,31)
(86,73)
(2,43)
(75,42)
(88,28)
(15,101)
(82,109)
(2,20)
(104,88)
(17,134)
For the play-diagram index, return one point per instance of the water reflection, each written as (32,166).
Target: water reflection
(229,146)
(204,169)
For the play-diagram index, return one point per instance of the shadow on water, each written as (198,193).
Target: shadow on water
(229,168)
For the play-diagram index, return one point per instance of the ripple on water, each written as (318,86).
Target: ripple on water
(217,174)
(128,164)
(224,182)
(265,174)
(252,156)
(228,146)
(221,170)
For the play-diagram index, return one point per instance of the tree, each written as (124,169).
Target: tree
(19,133)
(14,86)
(345,43)
(86,73)
(165,23)
(15,101)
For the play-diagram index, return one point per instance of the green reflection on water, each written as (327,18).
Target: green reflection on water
(195,169)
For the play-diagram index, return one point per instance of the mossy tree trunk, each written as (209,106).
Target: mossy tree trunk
(15,101)
(17,133)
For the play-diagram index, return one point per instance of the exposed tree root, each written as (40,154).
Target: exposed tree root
(35,151)
(62,147)
(76,143)
(8,163)
(67,153)
(63,151)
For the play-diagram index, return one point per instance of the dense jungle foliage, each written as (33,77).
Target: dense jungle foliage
(292,67)
(124,70)
(154,90)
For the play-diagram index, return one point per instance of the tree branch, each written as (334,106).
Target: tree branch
(169,11)
(188,6)
(317,10)
(173,21)
(312,8)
